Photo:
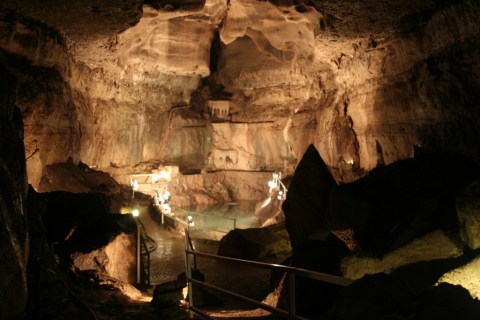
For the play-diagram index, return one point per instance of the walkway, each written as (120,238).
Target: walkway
(168,260)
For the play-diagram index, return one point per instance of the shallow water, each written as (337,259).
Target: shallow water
(168,260)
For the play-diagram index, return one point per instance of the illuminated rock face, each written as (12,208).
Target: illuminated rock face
(364,83)
(116,259)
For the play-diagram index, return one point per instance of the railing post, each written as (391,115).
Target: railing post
(291,295)
(188,261)
(139,250)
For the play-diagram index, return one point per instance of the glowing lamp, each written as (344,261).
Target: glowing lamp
(272,184)
(135,185)
(135,213)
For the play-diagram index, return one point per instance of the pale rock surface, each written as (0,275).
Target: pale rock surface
(435,245)
(467,276)
(208,187)
(468,211)
(365,83)
(117,259)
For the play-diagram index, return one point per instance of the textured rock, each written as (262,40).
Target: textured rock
(117,259)
(468,211)
(402,201)
(255,243)
(211,187)
(13,190)
(466,276)
(365,83)
(435,245)
(384,297)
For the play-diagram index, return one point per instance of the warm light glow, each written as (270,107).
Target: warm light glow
(135,212)
(272,184)
(190,221)
(184,301)
(135,185)
(166,209)
(166,174)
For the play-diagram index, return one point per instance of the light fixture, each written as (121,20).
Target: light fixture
(190,221)
(272,184)
(135,213)
(135,185)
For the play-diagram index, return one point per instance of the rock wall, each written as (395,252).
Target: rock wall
(13,189)
(365,83)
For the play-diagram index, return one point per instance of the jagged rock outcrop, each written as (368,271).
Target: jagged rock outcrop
(13,215)
(383,211)
(307,198)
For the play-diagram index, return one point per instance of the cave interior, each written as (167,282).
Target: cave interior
(340,137)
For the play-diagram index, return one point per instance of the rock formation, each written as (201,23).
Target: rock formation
(228,91)
(13,190)
(116,85)
(379,215)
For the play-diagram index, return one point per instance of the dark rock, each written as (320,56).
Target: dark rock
(83,219)
(255,243)
(400,202)
(384,297)
(168,294)
(468,212)
(307,198)
(13,188)
(386,209)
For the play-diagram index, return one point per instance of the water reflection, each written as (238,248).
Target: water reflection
(168,260)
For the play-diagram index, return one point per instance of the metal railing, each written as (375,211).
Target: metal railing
(291,273)
(148,245)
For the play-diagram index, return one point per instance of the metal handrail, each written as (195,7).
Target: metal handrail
(291,272)
(144,238)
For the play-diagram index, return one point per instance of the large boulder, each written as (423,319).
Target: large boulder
(375,215)
(435,245)
(397,203)
(466,276)
(256,243)
(117,259)
(382,296)
(468,211)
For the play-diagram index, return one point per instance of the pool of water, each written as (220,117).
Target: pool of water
(214,221)
(168,260)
